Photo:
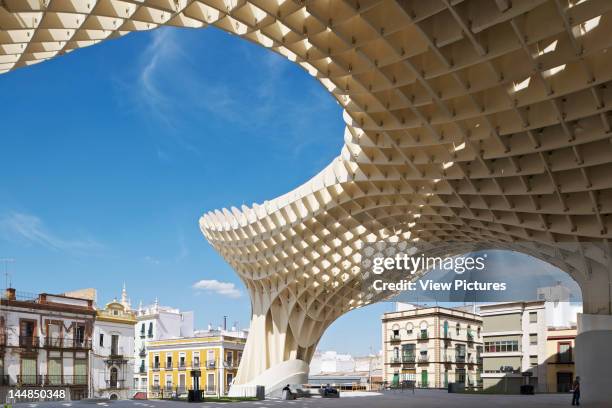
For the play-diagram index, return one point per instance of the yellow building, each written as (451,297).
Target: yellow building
(560,370)
(215,354)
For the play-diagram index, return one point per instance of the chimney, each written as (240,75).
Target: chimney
(10,294)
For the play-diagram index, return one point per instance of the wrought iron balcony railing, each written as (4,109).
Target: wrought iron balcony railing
(32,379)
(61,343)
(29,342)
(115,384)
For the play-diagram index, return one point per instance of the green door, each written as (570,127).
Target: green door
(424,382)
(396,379)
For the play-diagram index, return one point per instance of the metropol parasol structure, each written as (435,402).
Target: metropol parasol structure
(466,121)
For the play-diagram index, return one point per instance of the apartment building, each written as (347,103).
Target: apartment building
(46,341)
(112,366)
(514,336)
(433,346)
(156,322)
(209,357)
(560,370)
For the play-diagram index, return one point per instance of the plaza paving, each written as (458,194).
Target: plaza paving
(421,399)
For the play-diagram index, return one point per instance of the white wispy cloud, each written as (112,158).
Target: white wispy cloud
(227,289)
(177,81)
(152,260)
(28,228)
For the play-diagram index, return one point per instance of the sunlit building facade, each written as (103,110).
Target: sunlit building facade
(432,346)
(214,354)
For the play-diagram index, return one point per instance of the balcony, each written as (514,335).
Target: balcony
(195,364)
(395,360)
(142,352)
(61,343)
(168,365)
(142,335)
(423,359)
(423,336)
(34,380)
(63,380)
(182,365)
(230,364)
(142,370)
(470,337)
(115,384)
(460,359)
(395,338)
(150,335)
(29,342)
(408,359)
(156,366)
(211,364)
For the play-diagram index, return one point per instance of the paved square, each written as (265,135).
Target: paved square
(421,399)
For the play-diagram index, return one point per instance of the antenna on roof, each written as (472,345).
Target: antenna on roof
(7,275)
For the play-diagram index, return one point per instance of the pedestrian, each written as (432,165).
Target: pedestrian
(576,391)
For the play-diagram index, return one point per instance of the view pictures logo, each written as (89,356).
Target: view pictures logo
(381,257)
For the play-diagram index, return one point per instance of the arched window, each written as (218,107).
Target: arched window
(458,328)
(409,328)
(478,332)
(396,353)
(113,377)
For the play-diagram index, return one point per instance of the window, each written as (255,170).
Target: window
(533,317)
(408,353)
(458,329)
(196,359)
(27,333)
(169,361)
(115,345)
(501,346)
(156,361)
(142,330)
(533,361)
(28,370)
(182,360)
(168,381)
(564,354)
(80,369)
(150,329)
(54,369)
(79,334)
(533,338)
(460,353)
(101,339)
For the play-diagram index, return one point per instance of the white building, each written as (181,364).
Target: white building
(331,362)
(560,312)
(46,342)
(112,363)
(154,323)
(514,336)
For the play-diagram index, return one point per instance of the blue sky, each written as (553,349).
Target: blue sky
(109,155)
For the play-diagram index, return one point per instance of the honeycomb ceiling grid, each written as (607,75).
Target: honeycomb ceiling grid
(411,111)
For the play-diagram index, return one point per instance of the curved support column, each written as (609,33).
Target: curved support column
(594,359)
(282,338)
